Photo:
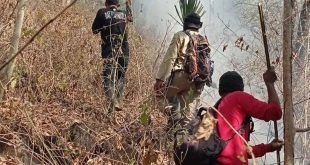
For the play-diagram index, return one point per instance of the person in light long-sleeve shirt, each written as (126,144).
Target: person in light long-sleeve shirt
(175,56)
(172,80)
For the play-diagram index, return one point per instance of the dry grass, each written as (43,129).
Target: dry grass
(55,109)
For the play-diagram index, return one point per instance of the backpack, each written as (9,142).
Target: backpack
(197,59)
(200,143)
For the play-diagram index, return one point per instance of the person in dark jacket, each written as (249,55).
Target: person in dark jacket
(111,23)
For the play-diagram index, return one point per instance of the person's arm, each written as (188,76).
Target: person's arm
(261,149)
(169,59)
(167,63)
(270,77)
(98,23)
(259,109)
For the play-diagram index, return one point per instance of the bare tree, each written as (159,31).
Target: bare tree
(6,73)
(289,129)
(301,66)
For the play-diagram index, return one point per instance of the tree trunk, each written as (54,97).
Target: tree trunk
(6,73)
(289,128)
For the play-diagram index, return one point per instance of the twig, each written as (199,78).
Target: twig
(227,26)
(113,160)
(301,101)
(169,28)
(36,34)
(10,16)
(302,129)
(236,132)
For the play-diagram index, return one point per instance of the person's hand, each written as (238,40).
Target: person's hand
(276,144)
(159,87)
(270,76)
(129,18)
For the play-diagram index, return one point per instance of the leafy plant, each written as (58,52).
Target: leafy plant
(186,7)
(144,118)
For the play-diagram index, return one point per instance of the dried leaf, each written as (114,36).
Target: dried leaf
(294,55)
(224,47)
(206,127)
(150,157)
(278,60)
(241,158)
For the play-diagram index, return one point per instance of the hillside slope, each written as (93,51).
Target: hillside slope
(55,110)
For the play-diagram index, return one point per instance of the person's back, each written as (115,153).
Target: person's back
(111,23)
(114,23)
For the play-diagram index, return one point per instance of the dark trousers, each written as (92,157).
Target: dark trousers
(114,69)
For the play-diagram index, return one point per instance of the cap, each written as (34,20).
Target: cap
(112,2)
(193,20)
(229,82)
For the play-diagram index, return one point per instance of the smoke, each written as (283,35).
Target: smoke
(221,24)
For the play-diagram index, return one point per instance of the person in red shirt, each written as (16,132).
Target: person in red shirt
(236,106)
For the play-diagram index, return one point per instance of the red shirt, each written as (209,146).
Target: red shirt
(235,107)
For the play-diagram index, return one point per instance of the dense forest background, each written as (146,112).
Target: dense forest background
(53,110)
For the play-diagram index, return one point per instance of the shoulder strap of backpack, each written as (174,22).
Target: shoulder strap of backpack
(216,105)
(191,40)
(176,61)
(244,124)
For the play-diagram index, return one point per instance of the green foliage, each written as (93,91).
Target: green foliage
(191,94)
(132,162)
(188,6)
(63,85)
(144,118)
(27,32)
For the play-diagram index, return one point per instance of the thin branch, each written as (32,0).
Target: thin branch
(236,132)
(36,34)
(242,3)
(302,129)
(227,26)
(169,28)
(301,101)
(176,20)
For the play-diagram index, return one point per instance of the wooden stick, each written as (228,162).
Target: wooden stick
(262,22)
